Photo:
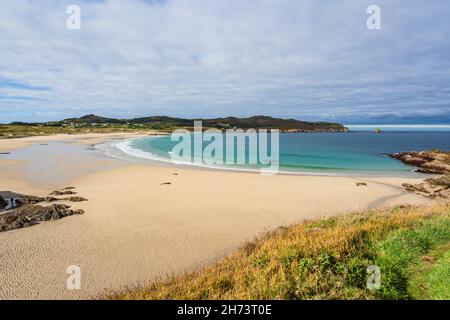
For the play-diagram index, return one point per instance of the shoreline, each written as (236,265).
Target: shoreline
(134,153)
(136,228)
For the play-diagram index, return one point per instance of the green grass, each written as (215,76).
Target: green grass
(402,249)
(430,278)
(326,259)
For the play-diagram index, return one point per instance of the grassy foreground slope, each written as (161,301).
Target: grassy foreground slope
(431,277)
(326,259)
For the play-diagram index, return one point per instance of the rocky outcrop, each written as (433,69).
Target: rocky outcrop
(27,212)
(428,189)
(431,162)
(29,215)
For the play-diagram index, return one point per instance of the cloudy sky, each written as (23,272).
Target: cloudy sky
(304,59)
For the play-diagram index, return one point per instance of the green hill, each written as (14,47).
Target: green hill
(94,123)
(256,122)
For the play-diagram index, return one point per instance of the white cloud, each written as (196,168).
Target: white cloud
(312,59)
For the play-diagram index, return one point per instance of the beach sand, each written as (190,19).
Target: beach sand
(136,228)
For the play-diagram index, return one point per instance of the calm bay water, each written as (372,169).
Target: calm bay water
(325,152)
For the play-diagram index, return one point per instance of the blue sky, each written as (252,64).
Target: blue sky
(309,59)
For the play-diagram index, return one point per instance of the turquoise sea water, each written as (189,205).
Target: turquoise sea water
(323,152)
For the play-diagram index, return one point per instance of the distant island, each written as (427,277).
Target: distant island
(94,123)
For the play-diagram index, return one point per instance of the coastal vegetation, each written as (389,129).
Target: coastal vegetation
(328,259)
(431,277)
(96,124)
(28,130)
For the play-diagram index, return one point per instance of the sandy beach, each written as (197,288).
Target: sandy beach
(136,227)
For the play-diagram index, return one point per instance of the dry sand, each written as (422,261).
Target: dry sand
(7,145)
(135,228)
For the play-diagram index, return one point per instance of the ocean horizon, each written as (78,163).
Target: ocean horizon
(398,127)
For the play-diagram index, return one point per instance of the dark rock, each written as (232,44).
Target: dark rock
(61,193)
(76,199)
(23,200)
(29,215)
(426,171)
(34,200)
(361,184)
(408,186)
(68,188)
(3,203)
(166,183)
(50,199)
